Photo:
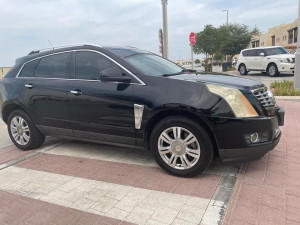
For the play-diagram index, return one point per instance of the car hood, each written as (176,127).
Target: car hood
(282,56)
(243,84)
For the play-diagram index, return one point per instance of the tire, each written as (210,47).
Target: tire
(243,69)
(272,70)
(23,132)
(186,164)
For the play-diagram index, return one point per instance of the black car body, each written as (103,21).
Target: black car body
(108,95)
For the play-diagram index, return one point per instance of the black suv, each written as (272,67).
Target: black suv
(134,98)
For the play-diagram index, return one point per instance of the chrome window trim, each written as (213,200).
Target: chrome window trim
(80,50)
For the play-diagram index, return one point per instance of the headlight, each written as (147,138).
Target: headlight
(236,100)
(286,60)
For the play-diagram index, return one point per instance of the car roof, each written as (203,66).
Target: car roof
(117,50)
(262,48)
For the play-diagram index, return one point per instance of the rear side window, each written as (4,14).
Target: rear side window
(54,66)
(28,69)
(245,53)
(90,64)
(252,52)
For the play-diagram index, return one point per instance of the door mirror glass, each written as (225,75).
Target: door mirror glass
(114,74)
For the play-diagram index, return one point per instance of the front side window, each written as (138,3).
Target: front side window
(90,64)
(258,51)
(54,66)
(276,51)
(153,65)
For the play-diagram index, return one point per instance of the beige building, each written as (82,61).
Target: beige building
(3,71)
(282,35)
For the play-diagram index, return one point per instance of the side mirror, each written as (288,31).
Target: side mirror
(114,75)
(261,54)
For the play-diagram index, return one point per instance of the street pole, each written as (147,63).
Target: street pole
(165,28)
(297,66)
(226,10)
(192,56)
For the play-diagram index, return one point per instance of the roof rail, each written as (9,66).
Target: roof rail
(58,47)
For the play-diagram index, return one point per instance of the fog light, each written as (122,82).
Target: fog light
(257,137)
(254,138)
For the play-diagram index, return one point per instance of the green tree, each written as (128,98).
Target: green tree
(197,61)
(209,42)
(236,37)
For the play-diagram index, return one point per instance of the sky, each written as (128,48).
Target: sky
(27,25)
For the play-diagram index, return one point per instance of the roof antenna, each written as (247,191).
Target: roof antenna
(50,44)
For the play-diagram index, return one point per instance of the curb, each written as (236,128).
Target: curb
(215,212)
(287,97)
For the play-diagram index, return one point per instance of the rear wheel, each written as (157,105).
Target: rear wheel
(272,70)
(181,146)
(243,69)
(23,132)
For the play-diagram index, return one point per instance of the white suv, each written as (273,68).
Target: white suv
(273,60)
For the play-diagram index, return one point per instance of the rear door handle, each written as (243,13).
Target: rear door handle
(29,86)
(76,92)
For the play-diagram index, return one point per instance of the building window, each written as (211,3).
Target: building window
(273,40)
(290,36)
(295,34)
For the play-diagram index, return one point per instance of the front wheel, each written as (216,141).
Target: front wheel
(272,70)
(23,132)
(181,146)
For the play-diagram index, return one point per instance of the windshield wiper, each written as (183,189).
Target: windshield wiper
(179,73)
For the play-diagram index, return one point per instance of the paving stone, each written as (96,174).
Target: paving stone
(104,204)
(139,216)
(165,215)
(191,214)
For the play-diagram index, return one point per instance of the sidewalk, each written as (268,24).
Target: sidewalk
(268,191)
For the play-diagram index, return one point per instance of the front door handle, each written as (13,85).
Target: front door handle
(29,86)
(76,92)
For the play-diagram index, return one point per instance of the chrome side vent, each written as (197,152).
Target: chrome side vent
(264,96)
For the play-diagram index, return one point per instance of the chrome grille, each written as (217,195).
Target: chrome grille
(264,96)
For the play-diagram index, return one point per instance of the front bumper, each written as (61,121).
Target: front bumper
(232,137)
(247,154)
(286,67)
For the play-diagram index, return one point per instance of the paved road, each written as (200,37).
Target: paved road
(82,183)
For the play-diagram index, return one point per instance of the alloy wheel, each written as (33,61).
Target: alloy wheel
(272,70)
(242,69)
(20,130)
(179,148)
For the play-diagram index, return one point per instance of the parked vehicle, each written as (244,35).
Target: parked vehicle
(133,98)
(273,60)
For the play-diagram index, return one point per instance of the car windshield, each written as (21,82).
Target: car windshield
(154,65)
(276,51)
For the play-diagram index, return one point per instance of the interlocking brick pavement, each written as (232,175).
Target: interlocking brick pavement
(268,190)
(81,183)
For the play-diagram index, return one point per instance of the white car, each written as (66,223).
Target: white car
(273,60)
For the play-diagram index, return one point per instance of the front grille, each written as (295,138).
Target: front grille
(264,96)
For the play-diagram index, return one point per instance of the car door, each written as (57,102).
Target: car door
(100,111)
(252,59)
(259,59)
(44,92)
